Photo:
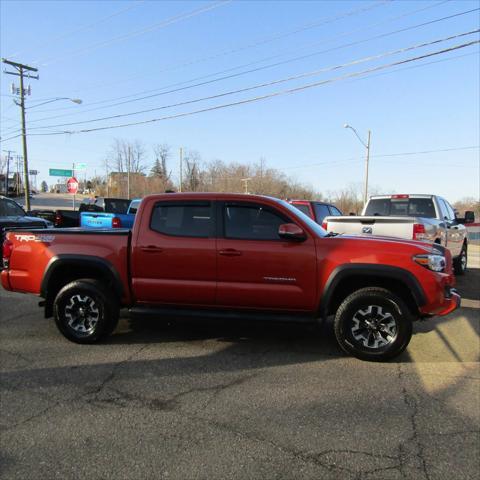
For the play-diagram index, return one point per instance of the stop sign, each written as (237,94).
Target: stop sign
(72,185)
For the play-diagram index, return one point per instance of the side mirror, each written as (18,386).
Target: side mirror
(291,231)
(469,217)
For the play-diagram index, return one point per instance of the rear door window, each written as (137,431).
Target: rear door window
(183,219)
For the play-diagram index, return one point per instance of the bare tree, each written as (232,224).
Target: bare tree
(127,156)
(159,169)
(192,172)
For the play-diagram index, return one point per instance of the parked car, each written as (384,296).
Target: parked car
(429,218)
(13,215)
(110,220)
(71,218)
(316,210)
(234,256)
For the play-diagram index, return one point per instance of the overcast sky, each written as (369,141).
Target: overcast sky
(106,53)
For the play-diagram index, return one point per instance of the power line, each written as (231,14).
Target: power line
(262,85)
(84,27)
(399,154)
(259,42)
(244,72)
(272,95)
(136,33)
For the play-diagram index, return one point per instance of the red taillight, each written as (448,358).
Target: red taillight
(418,231)
(7,250)
(116,222)
(324,225)
(58,219)
(400,196)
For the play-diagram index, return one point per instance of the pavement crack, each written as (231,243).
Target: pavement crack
(98,389)
(21,357)
(412,404)
(123,399)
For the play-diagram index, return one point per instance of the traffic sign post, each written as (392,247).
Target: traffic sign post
(72,187)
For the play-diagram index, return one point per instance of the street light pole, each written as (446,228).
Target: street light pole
(367,158)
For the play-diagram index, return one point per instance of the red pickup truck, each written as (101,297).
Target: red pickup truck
(232,256)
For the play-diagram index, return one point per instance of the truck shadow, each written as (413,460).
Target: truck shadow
(240,337)
(312,341)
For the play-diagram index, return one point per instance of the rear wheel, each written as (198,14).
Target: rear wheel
(460,263)
(85,311)
(373,324)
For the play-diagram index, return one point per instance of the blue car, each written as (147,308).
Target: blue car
(110,213)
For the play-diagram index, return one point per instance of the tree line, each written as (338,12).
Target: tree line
(150,172)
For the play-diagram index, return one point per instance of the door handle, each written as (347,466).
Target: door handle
(230,252)
(151,249)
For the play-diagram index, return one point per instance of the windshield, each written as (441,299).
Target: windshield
(401,207)
(304,218)
(10,209)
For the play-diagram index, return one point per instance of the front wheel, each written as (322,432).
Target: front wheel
(373,324)
(460,263)
(85,311)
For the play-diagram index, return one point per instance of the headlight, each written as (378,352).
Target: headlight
(433,262)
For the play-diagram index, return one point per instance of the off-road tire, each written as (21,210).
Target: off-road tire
(101,307)
(368,306)
(460,263)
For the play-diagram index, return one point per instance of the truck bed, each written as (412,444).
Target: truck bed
(48,246)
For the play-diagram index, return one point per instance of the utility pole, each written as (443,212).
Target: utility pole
(181,169)
(128,171)
(21,68)
(367,160)
(8,152)
(245,181)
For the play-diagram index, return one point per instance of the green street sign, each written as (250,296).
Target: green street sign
(59,172)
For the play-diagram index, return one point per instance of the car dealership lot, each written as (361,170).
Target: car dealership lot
(211,399)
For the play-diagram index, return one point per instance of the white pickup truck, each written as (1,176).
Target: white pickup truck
(428,218)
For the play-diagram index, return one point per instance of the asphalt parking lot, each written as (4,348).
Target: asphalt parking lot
(198,400)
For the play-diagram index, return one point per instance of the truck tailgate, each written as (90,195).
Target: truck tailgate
(96,219)
(400,227)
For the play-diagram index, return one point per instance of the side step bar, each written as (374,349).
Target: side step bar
(182,312)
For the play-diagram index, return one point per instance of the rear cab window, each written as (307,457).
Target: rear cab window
(183,219)
(401,207)
(116,205)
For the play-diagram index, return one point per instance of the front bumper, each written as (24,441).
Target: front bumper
(451,301)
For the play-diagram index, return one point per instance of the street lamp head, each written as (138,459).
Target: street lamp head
(76,100)
(346,125)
